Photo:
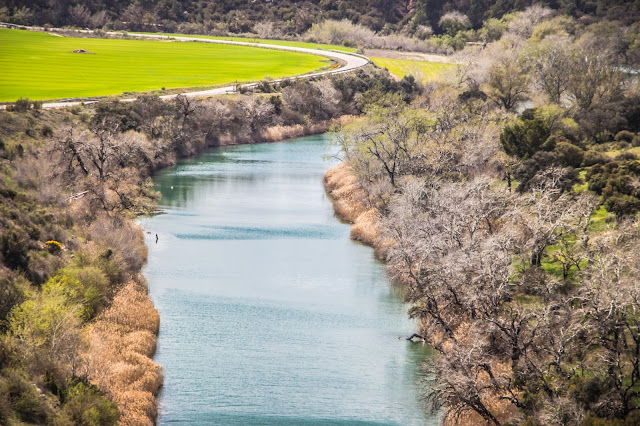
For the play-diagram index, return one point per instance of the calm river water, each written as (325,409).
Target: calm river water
(270,314)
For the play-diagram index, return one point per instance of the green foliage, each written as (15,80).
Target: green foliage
(492,29)
(20,397)
(92,287)
(47,324)
(592,157)
(454,22)
(617,183)
(86,405)
(527,135)
(622,205)
(555,27)
(530,169)
(624,135)
(11,294)
(570,154)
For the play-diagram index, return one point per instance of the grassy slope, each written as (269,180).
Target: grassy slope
(41,66)
(268,41)
(423,71)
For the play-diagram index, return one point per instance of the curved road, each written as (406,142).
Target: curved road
(350,62)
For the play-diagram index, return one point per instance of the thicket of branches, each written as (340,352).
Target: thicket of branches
(518,272)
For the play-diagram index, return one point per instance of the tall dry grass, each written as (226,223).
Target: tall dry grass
(349,203)
(122,342)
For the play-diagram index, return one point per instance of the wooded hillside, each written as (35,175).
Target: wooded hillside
(287,16)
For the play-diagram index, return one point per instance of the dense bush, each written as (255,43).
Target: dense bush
(86,405)
(570,155)
(22,397)
(616,182)
(15,250)
(526,135)
(11,294)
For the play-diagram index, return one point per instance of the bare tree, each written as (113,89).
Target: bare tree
(552,62)
(390,138)
(594,78)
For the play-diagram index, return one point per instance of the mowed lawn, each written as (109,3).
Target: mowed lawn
(42,66)
(422,71)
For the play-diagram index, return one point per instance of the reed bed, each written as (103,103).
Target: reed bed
(123,340)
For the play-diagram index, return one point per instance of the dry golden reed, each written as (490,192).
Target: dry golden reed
(347,198)
(122,342)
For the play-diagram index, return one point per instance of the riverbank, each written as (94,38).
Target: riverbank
(124,337)
(252,272)
(351,205)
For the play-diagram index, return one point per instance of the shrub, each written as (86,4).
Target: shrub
(93,288)
(46,131)
(570,154)
(22,105)
(624,135)
(615,181)
(10,296)
(623,205)
(592,157)
(626,156)
(86,405)
(53,247)
(14,249)
(453,22)
(23,397)
(527,135)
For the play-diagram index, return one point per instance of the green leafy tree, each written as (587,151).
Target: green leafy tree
(526,135)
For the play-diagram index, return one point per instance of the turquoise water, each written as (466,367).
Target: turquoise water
(270,314)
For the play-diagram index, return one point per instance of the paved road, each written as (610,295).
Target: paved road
(349,62)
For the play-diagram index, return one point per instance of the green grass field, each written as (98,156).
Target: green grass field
(267,41)
(42,66)
(422,71)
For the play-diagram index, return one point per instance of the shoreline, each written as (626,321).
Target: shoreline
(138,340)
(350,205)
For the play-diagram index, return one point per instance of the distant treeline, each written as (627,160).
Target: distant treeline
(287,16)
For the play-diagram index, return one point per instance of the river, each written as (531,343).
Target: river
(270,314)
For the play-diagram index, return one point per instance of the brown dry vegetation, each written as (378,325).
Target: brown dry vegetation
(349,203)
(123,341)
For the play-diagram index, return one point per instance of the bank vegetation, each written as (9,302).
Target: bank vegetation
(505,201)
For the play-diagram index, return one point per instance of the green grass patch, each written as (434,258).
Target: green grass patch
(584,186)
(42,66)
(422,71)
(601,220)
(266,41)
